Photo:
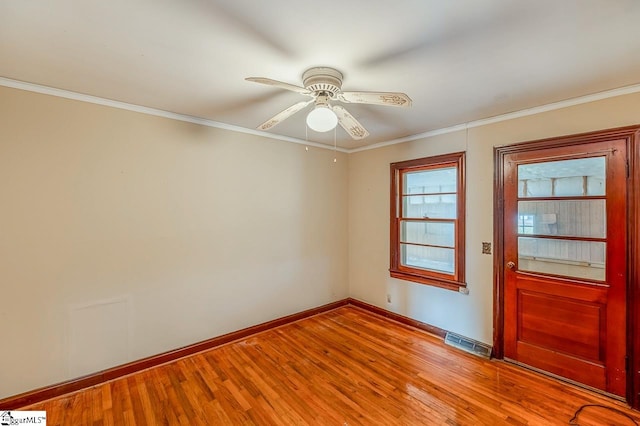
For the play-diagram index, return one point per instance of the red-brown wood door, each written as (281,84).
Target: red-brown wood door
(565,239)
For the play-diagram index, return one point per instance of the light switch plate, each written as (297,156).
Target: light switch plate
(486,248)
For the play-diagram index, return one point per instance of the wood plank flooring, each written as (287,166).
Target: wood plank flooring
(345,367)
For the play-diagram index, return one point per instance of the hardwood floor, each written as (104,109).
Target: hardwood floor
(343,367)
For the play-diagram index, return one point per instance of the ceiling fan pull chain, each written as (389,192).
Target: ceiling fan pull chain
(335,146)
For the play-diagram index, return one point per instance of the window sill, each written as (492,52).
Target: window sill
(435,282)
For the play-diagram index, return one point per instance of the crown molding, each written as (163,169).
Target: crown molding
(509,116)
(67,94)
(32,87)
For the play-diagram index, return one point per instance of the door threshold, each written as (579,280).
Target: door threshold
(566,380)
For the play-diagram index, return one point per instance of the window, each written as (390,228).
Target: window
(525,224)
(427,220)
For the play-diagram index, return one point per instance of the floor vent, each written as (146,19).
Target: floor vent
(468,345)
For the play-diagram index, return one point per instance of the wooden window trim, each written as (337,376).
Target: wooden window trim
(448,281)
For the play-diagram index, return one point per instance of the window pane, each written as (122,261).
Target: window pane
(579,259)
(566,178)
(430,181)
(429,206)
(432,258)
(525,223)
(432,233)
(573,218)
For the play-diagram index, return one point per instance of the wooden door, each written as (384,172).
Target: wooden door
(565,273)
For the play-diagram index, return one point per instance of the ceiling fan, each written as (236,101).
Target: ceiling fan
(324,85)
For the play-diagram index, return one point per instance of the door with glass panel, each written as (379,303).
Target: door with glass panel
(565,266)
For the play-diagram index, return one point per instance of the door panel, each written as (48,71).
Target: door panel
(565,267)
(590,374)
(543,321)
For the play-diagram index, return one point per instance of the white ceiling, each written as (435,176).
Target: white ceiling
(459,60)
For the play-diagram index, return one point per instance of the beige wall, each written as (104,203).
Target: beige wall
(124,235)
(470,315)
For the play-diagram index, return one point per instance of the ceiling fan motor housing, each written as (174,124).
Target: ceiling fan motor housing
(322,79)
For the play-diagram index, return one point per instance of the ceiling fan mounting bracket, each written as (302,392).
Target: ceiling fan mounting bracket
(323,79)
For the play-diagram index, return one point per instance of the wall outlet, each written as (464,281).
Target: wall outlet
(486,248)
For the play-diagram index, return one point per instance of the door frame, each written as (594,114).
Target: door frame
(632,136)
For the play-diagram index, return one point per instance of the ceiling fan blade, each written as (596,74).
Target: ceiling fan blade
(280,84)
(376,98)
(349,123)
(283,115)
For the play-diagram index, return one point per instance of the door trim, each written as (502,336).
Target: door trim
(632,136)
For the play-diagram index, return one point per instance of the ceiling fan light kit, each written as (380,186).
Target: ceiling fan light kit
(324,84)
(322,119)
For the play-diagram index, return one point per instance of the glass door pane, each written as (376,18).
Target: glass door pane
(565,178)
(578,259)
(562,206)
(569,218)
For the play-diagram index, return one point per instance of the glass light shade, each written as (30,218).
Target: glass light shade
(322,119)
